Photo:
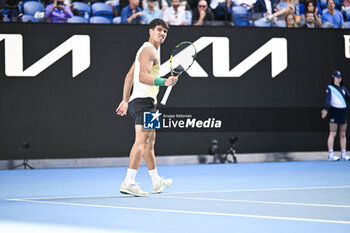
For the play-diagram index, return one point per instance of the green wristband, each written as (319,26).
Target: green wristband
(159,81)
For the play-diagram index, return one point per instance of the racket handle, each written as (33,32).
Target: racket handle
(166,95)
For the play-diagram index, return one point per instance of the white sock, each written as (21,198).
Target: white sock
(154,176)
(343,152)
(331,151)
(130,176)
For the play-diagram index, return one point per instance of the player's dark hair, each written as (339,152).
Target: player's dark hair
(154,23)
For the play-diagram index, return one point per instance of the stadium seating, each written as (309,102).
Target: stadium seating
(31,7)
(102,9)
(100,19)
(82,7)
(77,19)
(262,23)
(117,20)
(347,24)
(240,16)
(281,23)
(348,14)
(28,18)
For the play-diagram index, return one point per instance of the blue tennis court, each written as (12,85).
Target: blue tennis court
(252,197)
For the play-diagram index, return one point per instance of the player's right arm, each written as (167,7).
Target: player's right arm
(147,59)
(123,106)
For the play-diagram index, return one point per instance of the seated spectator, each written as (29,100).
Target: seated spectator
(290,21)
(345,7)
(124,3)
(222,9)
(175,15)
(160,5)
(132,14)
(310,20)
(151,12)
(58,12)
(283,9)
(246,3)
(305,6)
(263,8)
(115,6)
(202,14)
(333,16)
(311,7)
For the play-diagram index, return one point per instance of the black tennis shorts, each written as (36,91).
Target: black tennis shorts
(337,115)
(138,106)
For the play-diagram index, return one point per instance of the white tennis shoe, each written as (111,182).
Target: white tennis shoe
(333,157)
(164,183)
(132,189)
(345,156)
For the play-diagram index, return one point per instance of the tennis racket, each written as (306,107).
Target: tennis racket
(181,59)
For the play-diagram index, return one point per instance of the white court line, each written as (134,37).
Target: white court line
(192,212)
(258,202)
(199,192)
(268,189)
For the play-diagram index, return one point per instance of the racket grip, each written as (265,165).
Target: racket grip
(166,95)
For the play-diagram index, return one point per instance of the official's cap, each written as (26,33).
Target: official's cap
(337,73)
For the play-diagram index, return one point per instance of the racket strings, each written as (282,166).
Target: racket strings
(182,58)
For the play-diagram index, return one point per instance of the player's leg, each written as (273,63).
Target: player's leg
(159,184)
(149,154)
(342,134)
(129,185)
(330,142)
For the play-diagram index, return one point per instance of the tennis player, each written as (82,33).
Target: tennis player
(144,77)
(336,108)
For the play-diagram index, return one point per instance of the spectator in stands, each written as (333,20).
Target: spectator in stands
(305,6)
(150,12)
(132,14)
(290,21)
(333,16)
(115,6)
(160,5)
(202,14)
(222,9)
(246,3)
(264,8)
(310,21)
(311,7)
(283,9)
(175,15)
(58,12)
(346,5)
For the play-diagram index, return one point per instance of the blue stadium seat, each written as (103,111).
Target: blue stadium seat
(100,19)
(347,24)
(82,7)
(102,9)
(31,7)
(28,18)
(77,19)
(281,23)
(117,20)
(240,16)
(348,14)
(262,23)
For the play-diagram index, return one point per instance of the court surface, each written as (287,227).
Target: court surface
(252,197)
